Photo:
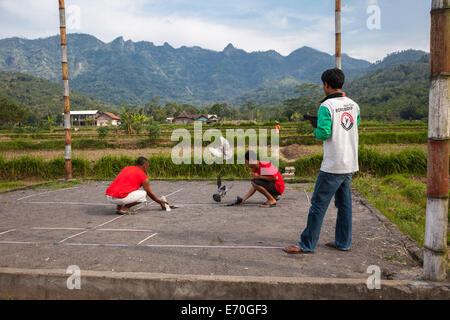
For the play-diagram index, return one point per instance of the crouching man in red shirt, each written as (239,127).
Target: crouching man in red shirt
(124,190)
(266,179)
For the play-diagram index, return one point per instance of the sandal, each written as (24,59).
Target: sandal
(294,250)
(129,212)
(268,205)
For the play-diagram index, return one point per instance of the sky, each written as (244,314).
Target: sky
(371,29)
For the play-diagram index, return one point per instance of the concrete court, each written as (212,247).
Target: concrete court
(52,229)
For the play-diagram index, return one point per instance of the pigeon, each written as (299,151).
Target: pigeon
(221,190)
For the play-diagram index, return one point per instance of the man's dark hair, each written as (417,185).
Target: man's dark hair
(251,156)
(334,77)
(141,161)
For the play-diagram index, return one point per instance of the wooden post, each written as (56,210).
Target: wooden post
(435,242)
(65,78)
(338,34)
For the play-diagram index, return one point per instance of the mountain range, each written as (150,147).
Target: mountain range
(135,72)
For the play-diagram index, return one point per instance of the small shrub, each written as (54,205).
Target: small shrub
(154,132)
(304,127)
(103,132)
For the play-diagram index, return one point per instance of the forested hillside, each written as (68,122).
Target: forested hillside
(135,72)
(42,97)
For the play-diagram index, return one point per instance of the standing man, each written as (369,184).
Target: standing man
(337,126)
(124,190)
(277,127)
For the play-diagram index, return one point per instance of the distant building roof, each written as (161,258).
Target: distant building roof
(185,115)
(112,115)
(84,112)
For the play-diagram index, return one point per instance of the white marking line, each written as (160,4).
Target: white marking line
(125,230)
(151,236)
(70,203)
(212,247)
(307,197)
(45,193)
(149,203)
(44,228)
(17,242)
(96,244)
(172,246)
(72,236)
(101,225)
(5,232)
(78,234)
(83,203)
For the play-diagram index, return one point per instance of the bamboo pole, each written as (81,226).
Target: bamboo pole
(65,78)
(338,33)
(435,242)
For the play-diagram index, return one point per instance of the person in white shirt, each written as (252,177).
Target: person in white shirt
(337,126)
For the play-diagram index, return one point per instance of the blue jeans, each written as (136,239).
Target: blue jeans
(327,185)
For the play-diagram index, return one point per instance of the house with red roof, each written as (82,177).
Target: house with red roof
(107,119)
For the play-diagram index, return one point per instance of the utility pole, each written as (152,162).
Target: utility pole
(435,243)
(338,34)
(65,78)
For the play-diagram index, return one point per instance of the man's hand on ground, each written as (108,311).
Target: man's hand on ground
(162,204)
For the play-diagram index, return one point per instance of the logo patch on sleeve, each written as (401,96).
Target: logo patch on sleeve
(347,121)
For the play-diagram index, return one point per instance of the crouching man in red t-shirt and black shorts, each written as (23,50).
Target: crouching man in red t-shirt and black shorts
(124,190)
(266,179)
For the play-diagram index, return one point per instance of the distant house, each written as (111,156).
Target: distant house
(185,118)
(93,118)
(83,118)
(212,118)
(108,119)
(202,117)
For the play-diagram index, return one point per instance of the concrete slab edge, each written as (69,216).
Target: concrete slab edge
(52,284)
(411,246)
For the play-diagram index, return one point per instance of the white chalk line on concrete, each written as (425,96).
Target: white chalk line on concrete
(97,244)
(173,246)
(70,203)
(307,197)
(148,245)
(86,203)
(101,225)
(72,236)
(86,230)
(33,195)
(17,242)
(145,204)
(45,228)
(5,232)
(209,247)
(150,236)
(125,230)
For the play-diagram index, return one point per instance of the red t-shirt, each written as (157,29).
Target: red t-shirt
(129,179)
(267,169)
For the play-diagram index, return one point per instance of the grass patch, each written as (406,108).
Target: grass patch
(393,257)
(401,199)
(11,185)
(161,166)
(55,185)
(393,138)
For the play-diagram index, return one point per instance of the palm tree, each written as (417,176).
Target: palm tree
(50,122)
(138,121)
(127,118)
(295,117)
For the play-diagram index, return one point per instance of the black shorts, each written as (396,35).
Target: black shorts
(268,185)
